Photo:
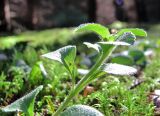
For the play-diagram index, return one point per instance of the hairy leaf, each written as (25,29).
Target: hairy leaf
(135,31)
(106,48)
(97,28)
(67,52)
(113,43)
(66,56)
(93,46)
(24,104)
(81,110)
(118,69)
(127,37)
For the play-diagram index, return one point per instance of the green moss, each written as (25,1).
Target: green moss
(153,69)
(36,38)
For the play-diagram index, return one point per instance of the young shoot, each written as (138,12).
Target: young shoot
(66,56)
(105,47)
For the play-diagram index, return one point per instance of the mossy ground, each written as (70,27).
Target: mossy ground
(20,73)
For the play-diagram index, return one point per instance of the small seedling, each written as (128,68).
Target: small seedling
(66,56)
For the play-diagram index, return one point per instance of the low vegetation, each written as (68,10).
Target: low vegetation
(92,78)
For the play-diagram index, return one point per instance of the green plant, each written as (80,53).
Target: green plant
(115,98)
(11,84)
(24,104)
(66,56)
(130,57)
(81,110)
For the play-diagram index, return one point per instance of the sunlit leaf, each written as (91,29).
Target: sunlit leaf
(24,104)
(118,69)
(97,28)
(114,43)
(81,110)
(67,52)
(83,71)
(66,56)
(127,37)
(44,72)
(135,31)
(35,75)
(106,48)
(93,46)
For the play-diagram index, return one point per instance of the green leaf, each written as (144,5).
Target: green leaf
(83,71)
(127,37)
(112,68)
(122,59)
(97,28)
(35,75)
(93,46)
(135,31)
(66,56)
(138,56)
(117,43)
(81,110)
(24,104)
(118,69)
(106,48)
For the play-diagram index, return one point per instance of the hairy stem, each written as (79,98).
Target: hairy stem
(83,82)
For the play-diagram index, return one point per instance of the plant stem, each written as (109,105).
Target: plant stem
(77,88)
(82,83)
